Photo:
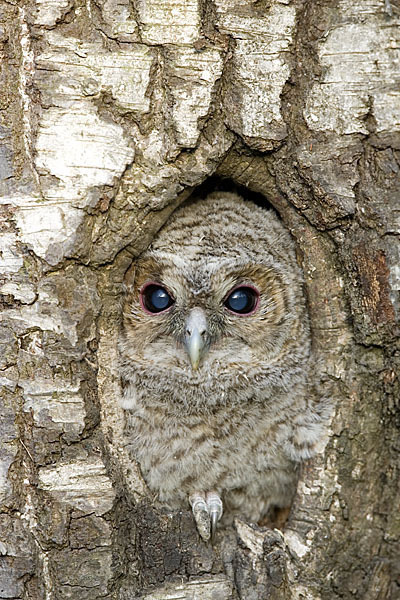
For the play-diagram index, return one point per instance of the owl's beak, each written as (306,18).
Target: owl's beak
(196,335)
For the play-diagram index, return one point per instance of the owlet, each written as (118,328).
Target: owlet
(215,353)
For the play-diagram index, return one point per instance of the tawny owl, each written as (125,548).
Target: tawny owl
(215,354)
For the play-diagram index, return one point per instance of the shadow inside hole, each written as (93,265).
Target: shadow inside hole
(219,184)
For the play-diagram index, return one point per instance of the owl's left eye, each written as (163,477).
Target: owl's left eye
(242,300)
(155,298)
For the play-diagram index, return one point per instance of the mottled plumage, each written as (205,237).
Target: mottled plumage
(240,422)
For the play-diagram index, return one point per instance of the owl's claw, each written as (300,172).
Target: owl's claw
(215,507)
(207,510)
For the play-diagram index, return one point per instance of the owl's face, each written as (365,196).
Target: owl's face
(211,311)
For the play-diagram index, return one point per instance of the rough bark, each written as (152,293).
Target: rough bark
(111,113)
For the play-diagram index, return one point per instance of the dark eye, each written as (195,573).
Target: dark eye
(243,300)
(154,298)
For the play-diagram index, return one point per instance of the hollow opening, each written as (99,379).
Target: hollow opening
(277,517)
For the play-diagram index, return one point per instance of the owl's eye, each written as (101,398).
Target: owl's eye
(155,299)
(242,300)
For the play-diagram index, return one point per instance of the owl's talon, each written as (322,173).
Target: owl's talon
(215,508)
(214,520)
(201,514)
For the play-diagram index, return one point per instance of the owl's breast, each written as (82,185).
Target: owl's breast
(226,452)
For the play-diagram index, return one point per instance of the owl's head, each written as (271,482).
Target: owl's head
(215,307)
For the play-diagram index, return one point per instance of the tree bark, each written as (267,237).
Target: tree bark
(112,113)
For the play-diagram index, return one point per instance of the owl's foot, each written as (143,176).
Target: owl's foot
(207,510)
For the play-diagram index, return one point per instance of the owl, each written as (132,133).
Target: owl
(215,356)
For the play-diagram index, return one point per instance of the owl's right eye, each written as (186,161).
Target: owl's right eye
(155,298)
(242,300)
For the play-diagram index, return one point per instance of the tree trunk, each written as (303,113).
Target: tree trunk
(112,113)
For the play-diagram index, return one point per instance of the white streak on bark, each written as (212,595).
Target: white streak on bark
(200,589)
(51,11)
(260,67)
(52,318)
(80,149)
(76,70)
(5,463)
(361,62)
(195,74)
(10,259)
(251,538)
(82,484)
(26,71)
(29,515)
(169,22)
(66,410)
(296,544)
(119,17)
(20,291)
(49,229)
